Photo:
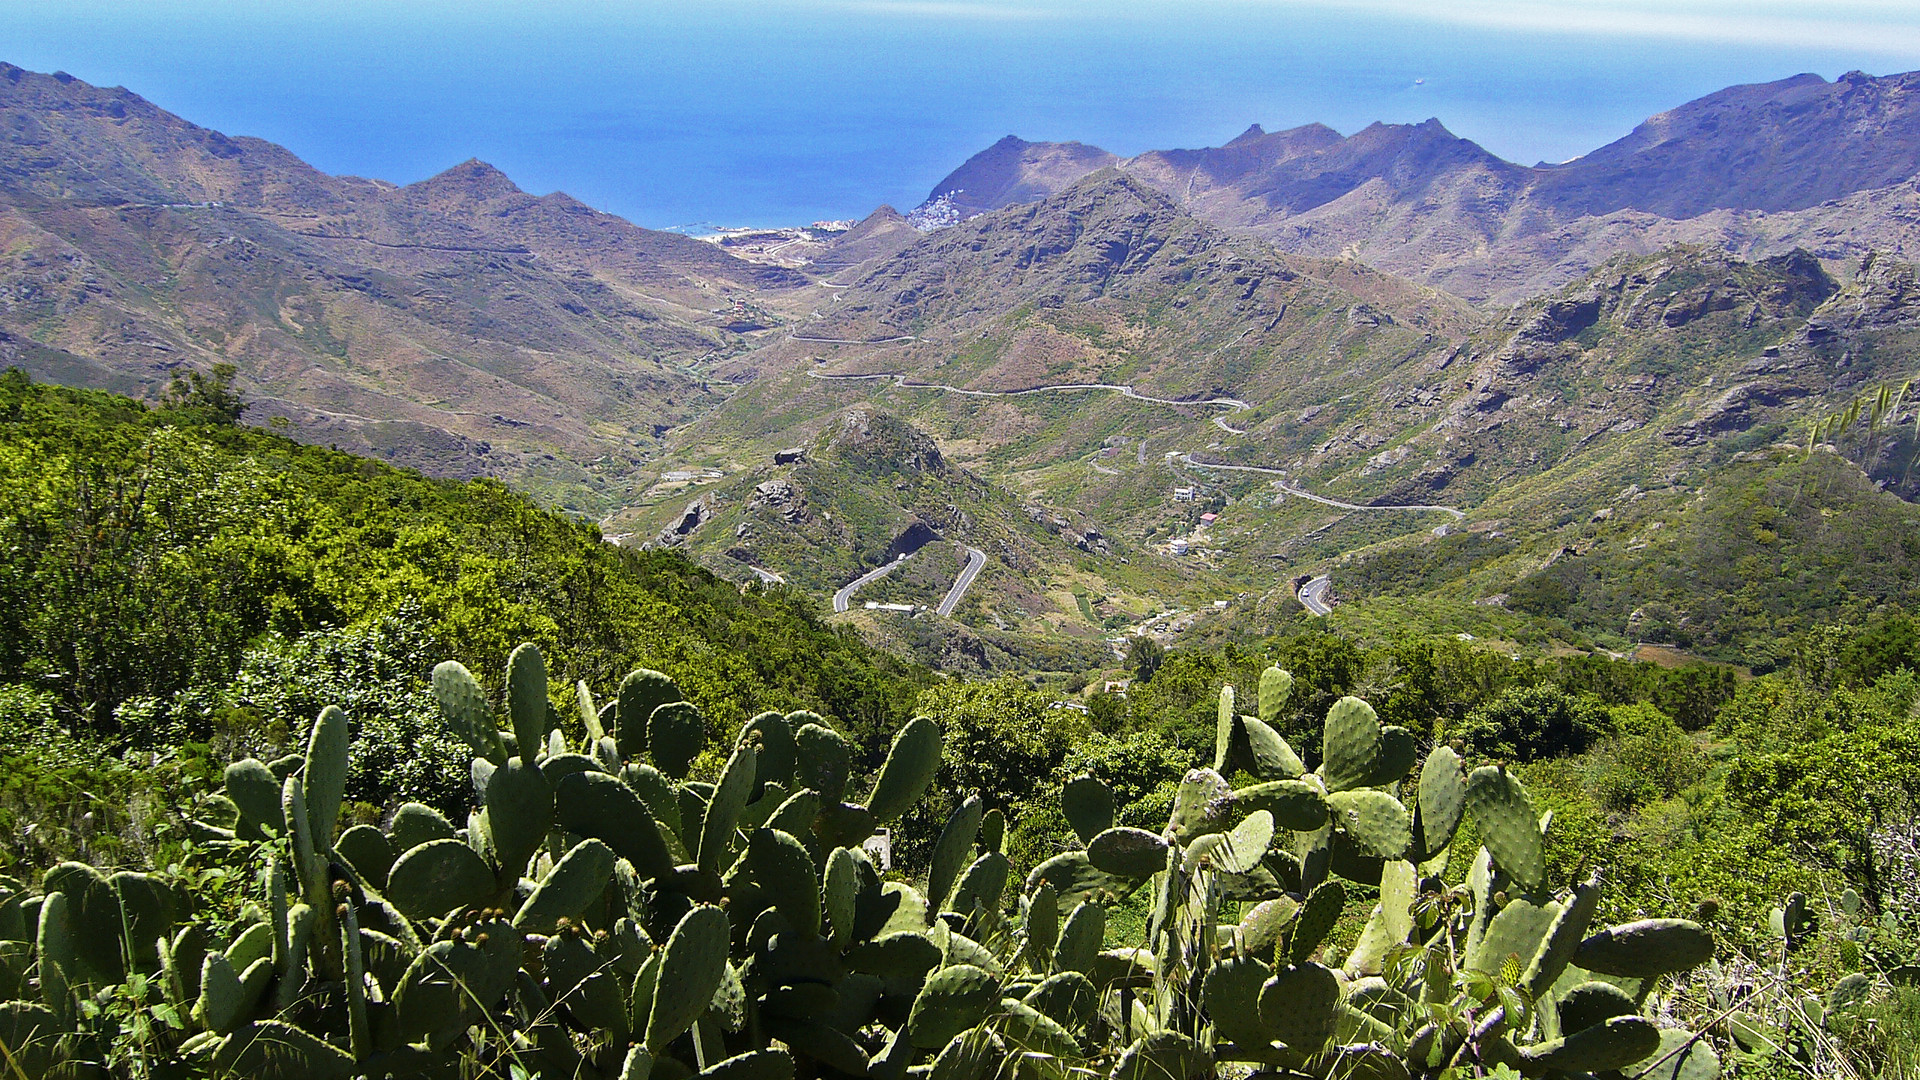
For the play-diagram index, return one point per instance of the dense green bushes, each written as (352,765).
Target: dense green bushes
(143,552)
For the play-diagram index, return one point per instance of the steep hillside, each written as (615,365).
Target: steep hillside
(870,489)
(458,325)
(1757,170)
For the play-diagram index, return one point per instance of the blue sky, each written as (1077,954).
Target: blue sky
(780,111)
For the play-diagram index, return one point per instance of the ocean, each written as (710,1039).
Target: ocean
(788,111)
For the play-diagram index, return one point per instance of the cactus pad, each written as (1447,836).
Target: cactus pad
(1590,1003)
(1128,853)
(1163,1055)
(463,705)
(1088,804)
(1316,920)
(954,848)
(1350,744)
(415,824)
(1080,939)
(953,999)
(1375,821)
(1232,994)
(782,867)
(1509,825)
(1276,685)
(593,804)
(1646,949)
(1443,800)
(575,881)
(693,964)
(641,692)
(1074,878)
(676,732)
(1299,1006)
(752,1065)
(1398,753)
(1612,1044)
(909,768)
(1203,804)
(1069,997)
(729,799)
(519,813)
(527,699)
(255,791)
(437,877)
(824,760)
(272,1050)
(1295,804)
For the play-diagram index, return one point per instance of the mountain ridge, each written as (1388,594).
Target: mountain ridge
(1740,167)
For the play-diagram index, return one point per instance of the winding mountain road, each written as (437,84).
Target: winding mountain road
(976,559)
(902,379)
(1187,459)
(843,599)
(1314,595)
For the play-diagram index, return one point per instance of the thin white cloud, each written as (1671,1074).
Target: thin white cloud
(1881,27)
(949,9)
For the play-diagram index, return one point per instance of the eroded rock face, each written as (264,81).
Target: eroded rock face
(694,516)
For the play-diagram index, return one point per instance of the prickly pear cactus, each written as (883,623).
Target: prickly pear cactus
(602,914)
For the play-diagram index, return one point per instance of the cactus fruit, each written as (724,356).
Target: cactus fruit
(463,705)
(1350,744)
(1088,804)
(952,1000)
(1646,949)
(1509,825)
(909,768)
